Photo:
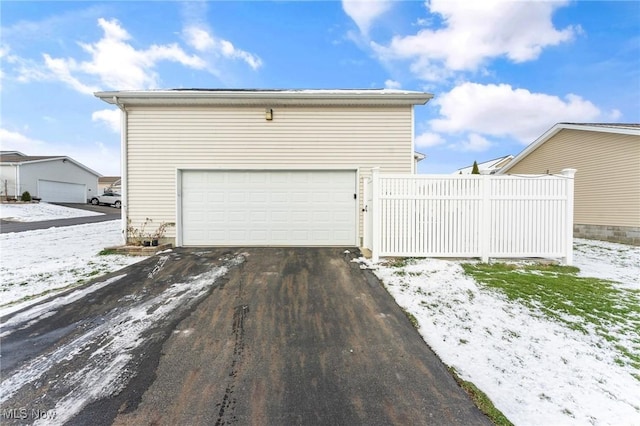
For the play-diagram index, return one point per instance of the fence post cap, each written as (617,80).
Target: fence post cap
(569,172)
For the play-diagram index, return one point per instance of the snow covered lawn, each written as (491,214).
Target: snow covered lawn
(535,369)
(36,212)
(42,261)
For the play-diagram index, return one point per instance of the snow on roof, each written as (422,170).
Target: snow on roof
(266,96)
(486,166)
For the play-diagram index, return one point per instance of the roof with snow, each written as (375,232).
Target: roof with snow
(488,167)
(266,97)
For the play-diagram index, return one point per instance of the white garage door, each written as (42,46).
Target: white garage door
(295,208)
(62,192)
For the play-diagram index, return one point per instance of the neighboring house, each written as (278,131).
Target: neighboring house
(607,183)
(417,157)
(488,167)
(108,183)
(260,167)
(50,178)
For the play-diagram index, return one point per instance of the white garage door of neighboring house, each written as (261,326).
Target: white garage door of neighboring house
(62,192)
(294,208)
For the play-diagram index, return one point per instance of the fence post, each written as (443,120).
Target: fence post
(375,214)
(568,248)
(485,218)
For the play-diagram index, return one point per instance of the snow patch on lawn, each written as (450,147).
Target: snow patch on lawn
(34,262)
(609,261)
(535,370)
(36,212)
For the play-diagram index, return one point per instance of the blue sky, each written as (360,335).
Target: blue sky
(502,72)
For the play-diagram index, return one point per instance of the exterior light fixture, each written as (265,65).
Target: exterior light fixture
(268,114)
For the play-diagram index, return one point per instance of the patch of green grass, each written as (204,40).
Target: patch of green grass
(399,262)
(44,293)
(578,302)
(107,252)
(481,400)
(412,319)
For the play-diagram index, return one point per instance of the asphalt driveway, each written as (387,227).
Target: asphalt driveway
(227,336)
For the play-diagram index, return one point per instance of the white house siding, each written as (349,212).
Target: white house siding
(161,140)
(8,179)
(607,184)
(56,171)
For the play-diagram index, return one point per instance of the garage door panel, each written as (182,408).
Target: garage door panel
(279,197)
(258,197)
(269,207)
(62,192)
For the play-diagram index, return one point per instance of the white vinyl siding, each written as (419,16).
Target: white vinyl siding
(161,140)
(607,183)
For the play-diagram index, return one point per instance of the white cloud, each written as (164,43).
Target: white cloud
(4,53)
(503,111)
(476,31)
(95,155)
(474,143)
(428,140)
(119,65)
(14,141)
(61,70)
(114,63)
(392,84)
(111,117)
(614,115)
(364,12)
(201,40)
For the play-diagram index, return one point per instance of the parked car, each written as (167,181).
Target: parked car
(108,198)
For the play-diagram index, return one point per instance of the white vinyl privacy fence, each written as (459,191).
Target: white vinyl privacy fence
(481,216)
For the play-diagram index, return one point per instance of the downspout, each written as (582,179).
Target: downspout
(124,208)
(414,162)
(17,181)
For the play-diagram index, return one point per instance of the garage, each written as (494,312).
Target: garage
(61,192)
(268,207)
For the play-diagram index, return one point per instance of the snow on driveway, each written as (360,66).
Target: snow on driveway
(535,370)
(106,350)
(46,260)
(36,212)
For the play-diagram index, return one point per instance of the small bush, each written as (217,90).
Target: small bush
(25,196)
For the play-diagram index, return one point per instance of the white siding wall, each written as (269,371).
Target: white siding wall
(607,184)
(164,139)
(8,175)
(56,171)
